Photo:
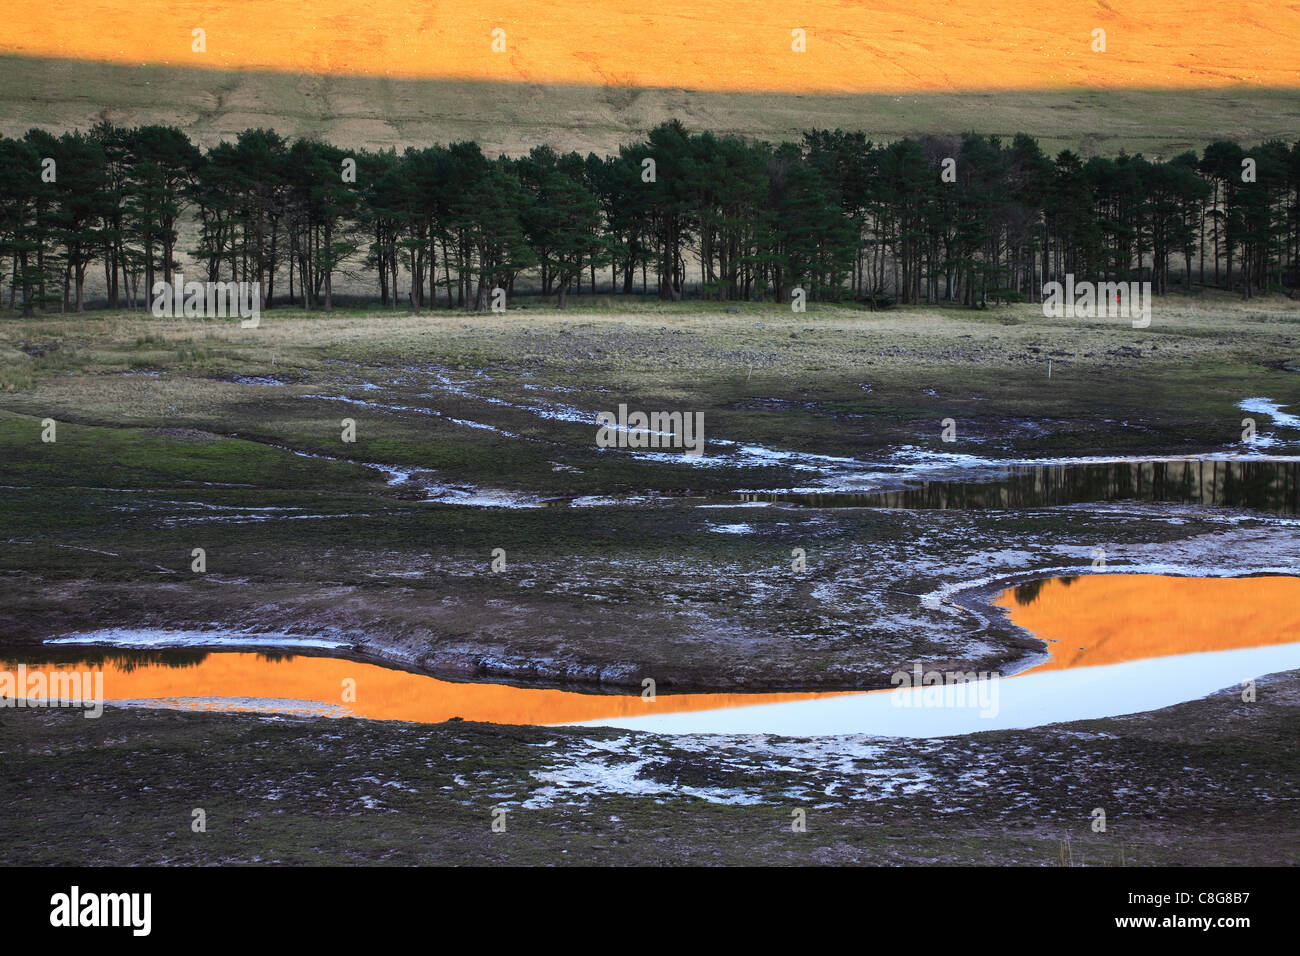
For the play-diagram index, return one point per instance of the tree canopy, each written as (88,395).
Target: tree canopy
(935,219)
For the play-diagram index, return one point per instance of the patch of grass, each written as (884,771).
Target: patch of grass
(85,455)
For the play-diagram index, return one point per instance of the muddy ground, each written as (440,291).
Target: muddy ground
(476,432)
(626,563)
(1206,782)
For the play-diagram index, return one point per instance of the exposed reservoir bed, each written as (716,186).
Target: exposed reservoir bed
(1116,644)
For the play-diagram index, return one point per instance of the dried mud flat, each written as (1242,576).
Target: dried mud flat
(1206,782)
(177,435)
(883,590)
(474,435)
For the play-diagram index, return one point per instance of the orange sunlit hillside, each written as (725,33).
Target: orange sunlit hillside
(1108,619)
(851,47)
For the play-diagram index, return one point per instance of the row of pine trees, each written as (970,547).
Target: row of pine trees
(958,219)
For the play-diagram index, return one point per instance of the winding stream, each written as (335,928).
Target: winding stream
(1116,644)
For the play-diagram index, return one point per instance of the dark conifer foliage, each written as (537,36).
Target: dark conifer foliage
(959,219)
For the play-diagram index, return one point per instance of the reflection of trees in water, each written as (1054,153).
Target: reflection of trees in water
(1027,593)
(275,657)
(131,660)
(124,660)
(1262,486)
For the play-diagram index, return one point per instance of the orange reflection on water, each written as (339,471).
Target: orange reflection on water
(1087,621)
(1111,618)
(381,693)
